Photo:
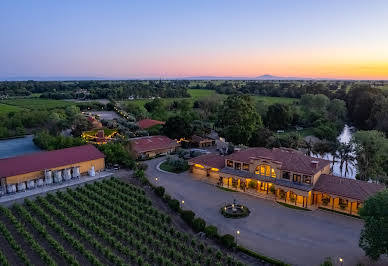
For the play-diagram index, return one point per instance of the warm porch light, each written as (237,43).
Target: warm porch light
(198,165)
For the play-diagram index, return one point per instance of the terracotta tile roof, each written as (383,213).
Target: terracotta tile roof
(151,143)
(209,160)
(198,139)
(346,187)
(147,123)
(40,161)
(291,160)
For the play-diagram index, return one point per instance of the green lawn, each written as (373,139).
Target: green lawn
(201,93)
(35,104)
(272,100)
(5,108)
(169,168)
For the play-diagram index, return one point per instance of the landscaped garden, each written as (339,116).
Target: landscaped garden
(105,223)
(174,165)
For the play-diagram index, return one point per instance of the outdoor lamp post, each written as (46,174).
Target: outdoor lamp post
(341,261)
(237,233)
(183,202)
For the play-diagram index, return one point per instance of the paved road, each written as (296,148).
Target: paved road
(295,236)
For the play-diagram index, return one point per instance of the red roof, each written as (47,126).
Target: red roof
(147,123)
(40,161)
(151,143)
(291,160)
(210,160)
(346,187)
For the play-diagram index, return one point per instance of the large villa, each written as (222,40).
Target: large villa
(287,176)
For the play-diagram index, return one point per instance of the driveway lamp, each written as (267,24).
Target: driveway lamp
(156,179)
(237,233)
(183,202)
(341,260)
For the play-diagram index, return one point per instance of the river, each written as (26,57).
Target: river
(18,146)
(344,137)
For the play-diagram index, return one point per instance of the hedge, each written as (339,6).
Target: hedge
(211,231)
(188,216)
(159,191)
(199,224)
(261,257)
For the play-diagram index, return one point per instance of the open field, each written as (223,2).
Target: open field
(197,94)
(35,104)
(5,108)
(106,223)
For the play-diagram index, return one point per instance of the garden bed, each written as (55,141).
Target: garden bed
(174,165)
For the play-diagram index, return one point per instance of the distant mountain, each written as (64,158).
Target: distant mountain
(271,77)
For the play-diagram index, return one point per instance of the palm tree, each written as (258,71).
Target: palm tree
(345,154)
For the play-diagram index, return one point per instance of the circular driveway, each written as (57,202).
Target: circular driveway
(295,236)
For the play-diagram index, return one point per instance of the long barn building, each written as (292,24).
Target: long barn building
(44,168)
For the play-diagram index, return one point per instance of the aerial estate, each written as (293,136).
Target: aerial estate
(285,175)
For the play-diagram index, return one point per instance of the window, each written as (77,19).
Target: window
(286,175)
(273,174)
(229,163)
(265,170)
(307,179)
(296,178)
(237,166)
(245,167)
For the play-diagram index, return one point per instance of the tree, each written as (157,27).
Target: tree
(346,157)
(238,119)
(176,127)
(371,150)
(81,124)
(116,154)
(374,235)
(134,110)
(337,110)
(261,137)
(154,105)
(279,116)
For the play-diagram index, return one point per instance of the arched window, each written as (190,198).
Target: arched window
(265,170)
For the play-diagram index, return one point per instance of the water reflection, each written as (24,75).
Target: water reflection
(18,146)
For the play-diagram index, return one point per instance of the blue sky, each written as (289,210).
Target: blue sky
(127,39)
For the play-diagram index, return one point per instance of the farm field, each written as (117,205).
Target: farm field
(5,108)
(104,223)
(35,104)
(197,94)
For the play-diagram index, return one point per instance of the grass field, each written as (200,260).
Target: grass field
(197,94)
(5,108)
(105,223)
(35,104)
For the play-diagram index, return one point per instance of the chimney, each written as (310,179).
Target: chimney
(314,164)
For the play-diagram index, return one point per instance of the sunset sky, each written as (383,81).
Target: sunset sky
(172,39)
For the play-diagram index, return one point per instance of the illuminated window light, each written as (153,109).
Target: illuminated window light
(199,166)
(215,169)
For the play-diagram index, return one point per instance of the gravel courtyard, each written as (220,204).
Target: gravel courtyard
(294,236)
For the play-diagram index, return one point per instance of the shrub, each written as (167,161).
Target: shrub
(167,197)
(139,174)
(141,166)
(174,204)
(211,231)
(272,189)
(228,241)
(327,262)
(188,216)
(199,225)
(159,191)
